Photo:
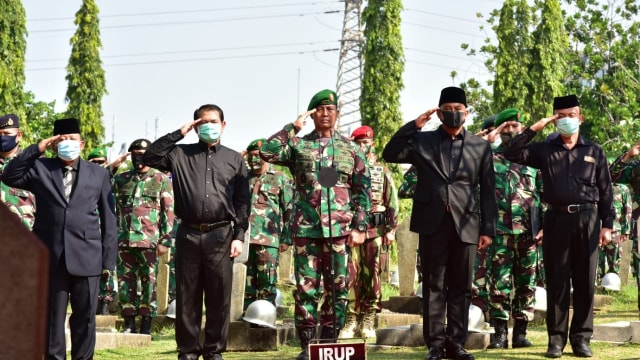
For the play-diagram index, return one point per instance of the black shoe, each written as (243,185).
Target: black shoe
(519,338)
(581,349)
(500,340)
(435,353)
(458,353)
(188,357)
(553,351)
(145,325)
(215,356)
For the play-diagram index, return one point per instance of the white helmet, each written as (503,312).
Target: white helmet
(278,297)
(611,281)
(476,319)
(171,310)
(540,299)
(419,291)
(261,312)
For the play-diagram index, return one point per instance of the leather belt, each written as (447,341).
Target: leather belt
(207,227)
(571,209)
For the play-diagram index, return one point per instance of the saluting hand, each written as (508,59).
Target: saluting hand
(540,124)
(236,248)
(118,161)
(46,143)
(493,134)
(301,120)
(184,130)
(605,237)
(421,120)
(631,153)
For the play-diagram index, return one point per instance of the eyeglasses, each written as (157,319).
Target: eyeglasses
(328,109)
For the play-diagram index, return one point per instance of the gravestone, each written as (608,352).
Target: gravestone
(625,261)
(407,242)
(239,280)
(284,266)
(24,282)
(162,283)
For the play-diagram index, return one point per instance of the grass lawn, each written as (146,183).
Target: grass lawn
(624,308)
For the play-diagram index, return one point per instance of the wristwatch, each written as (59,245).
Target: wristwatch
(362,227)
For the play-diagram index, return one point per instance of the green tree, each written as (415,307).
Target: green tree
(605,38)
(13,45)
(41,116)
(383,57)
(85,76)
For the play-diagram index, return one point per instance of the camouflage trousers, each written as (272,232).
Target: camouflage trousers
(312,267)
(609,256)
(107,290)
(364,270)
(541,277)
(137,264)
(512,265)
(262,274)
(479,292)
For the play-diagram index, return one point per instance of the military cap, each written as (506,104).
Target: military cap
(510,114)
(324,97)
(140,144)
(489,122)
(9,121)
(98,153)
(363,132)
(452,94)
(256,144)
(565,102)
(66,126)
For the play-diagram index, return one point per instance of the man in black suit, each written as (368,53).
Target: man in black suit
(75,218)
(454,211)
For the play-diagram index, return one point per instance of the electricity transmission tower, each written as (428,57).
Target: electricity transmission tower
(350,65)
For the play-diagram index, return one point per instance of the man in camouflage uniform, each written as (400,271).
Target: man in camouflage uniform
(107,292)
(144,206)
(365,265)
(624,170)
(609,255)
(20,202)
(322,157)
(512,254)
(270,208)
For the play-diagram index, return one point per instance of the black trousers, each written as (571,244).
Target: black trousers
(82,292)
(570,258)
(447,273)
(203,265)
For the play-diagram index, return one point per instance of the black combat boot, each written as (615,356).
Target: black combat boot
(145,325)
(500,340)
(130,324)
(306,335)
(519,336)
(327,336)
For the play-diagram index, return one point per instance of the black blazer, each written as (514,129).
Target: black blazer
(470,193)
(84,229)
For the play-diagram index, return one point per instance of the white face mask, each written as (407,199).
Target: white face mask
(568,126)
(69,150)
(210,132)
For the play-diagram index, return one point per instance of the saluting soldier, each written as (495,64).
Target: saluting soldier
(19,202)
(144,206)
(512,253)
(270,208)
(322,157)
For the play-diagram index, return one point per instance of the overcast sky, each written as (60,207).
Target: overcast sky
(261,60)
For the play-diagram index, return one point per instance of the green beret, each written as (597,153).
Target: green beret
(507,115)
(324,97)
(256,144)
(98,153)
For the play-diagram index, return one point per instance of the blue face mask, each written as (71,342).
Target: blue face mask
(8,142)
(69,150)
(568,126)
(210,132)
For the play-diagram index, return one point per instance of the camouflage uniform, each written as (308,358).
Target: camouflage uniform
(364,269)
(406,191)
(311,227)
(270,206)
(512,254)
(145,216)
(629,173)
(610,253)
(19,202)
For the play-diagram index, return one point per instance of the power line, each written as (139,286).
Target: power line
(169,23)
(439,28)
(201,59)
(444,15)
(173,12)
